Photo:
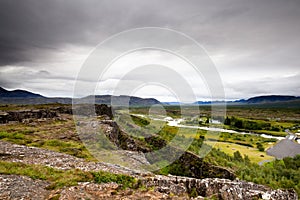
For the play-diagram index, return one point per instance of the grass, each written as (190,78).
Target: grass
(57,178)
(56,135)
(105,177)
(273,133)
(70,147)
(62,178)
(13,107)
(140,121)
(11,136)
(253,154)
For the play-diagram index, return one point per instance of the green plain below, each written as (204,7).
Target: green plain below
(253,154)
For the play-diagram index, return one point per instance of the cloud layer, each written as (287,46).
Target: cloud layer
(254,44)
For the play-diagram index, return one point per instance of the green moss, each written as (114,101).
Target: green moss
(193,193)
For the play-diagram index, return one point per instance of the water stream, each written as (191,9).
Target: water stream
(177,123)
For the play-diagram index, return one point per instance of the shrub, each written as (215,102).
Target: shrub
(106,177)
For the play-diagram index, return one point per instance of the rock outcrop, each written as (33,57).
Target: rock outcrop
(191,164)
(54,112)
(32,155)
(195,167)
(111,191)
(120,138)
(21,115)
(90,110)
(219,188)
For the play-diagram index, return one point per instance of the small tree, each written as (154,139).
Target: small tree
(246,159)
(237,156)
(207,120)
(238,123)
(227,121)
(260,147)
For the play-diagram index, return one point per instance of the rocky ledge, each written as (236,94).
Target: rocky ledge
(218,188)
(32,155)
(159,187)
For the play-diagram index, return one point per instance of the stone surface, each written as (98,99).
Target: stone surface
(14,187)
(111,191)
(219,188)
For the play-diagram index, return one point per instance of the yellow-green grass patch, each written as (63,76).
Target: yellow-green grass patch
(253,154)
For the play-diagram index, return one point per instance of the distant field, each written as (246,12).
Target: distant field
(229,148)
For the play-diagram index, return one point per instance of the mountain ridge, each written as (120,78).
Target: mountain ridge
(18,94)
(254,100)
(26,97)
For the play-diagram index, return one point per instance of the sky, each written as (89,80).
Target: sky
(254,46)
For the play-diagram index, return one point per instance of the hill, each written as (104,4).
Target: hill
(121,100)
(18,94)
(271,99)
(268,100)
(25,97)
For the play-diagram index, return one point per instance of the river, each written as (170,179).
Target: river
(177,123)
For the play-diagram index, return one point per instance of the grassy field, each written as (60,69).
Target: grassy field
(254,154)
(58,135)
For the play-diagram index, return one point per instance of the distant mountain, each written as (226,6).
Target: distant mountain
(271,99)
(17,94)
(209,102)
(120,100)
(25,97)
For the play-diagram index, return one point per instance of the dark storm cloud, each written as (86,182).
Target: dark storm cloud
(49,24)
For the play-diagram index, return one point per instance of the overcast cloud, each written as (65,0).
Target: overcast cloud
(254,44)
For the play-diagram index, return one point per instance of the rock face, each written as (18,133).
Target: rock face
(120,138)
(90,110)
(21,115)
(111,191)
(195,167)
(190,163)
(219,188)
